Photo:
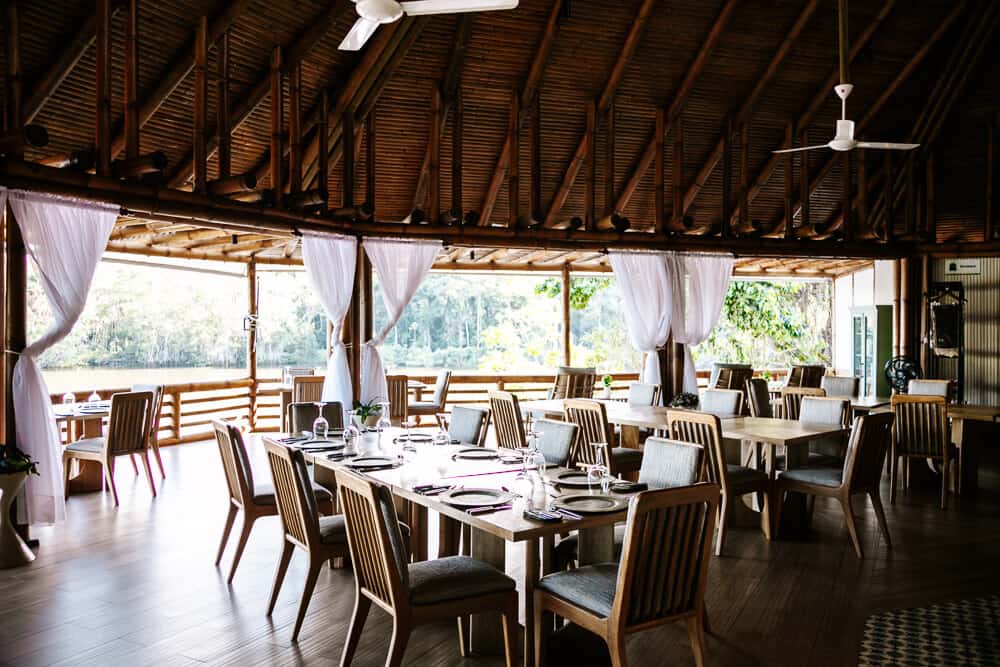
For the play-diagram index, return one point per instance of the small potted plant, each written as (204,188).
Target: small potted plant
(15,466)
(685,400)
(366,413)
(606,381)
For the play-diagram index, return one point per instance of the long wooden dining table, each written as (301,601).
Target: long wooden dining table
(487,535)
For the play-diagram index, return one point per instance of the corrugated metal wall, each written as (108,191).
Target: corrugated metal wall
(982,329)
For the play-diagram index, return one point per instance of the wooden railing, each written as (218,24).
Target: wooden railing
(188,409)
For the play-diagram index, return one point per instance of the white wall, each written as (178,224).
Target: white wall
(862,288)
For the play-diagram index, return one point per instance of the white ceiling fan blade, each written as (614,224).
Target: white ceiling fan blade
(424,7)
(358,34)
(886,145)
(801,148)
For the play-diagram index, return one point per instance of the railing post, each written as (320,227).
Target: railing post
(252,343)
(175,414)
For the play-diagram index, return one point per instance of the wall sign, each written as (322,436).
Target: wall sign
(961,267)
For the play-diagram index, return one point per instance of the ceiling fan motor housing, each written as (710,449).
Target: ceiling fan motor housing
(844,141)
(379,11)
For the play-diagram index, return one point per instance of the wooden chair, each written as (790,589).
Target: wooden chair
(661,578)
(322,538)
(438,398)
(573,383)
(398,389)
(940,388)
(860,474)
(759,398)
(555,440)
(302,415)
(705,429)
(791,399)
(921,432)
(506,415)
(722,402)
(805,376)
(254,500)
(844,386)
(416,593)
(289,372)
(468,425)
(128,434)
(722,376)
(592,419)
(154,420)
(820,410)
(643,394)
(307,388)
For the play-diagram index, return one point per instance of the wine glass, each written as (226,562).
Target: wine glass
(94,397)
(597,472)
(383,422)
(68,398)
(442,437)
(408,423)
(321,427)
(351,435)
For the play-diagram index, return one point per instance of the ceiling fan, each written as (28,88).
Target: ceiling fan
(373,13)
(844,139)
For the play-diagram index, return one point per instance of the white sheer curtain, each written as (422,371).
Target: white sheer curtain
(699,284)
(647,299)
(401,267)
(330,262)
(66,239)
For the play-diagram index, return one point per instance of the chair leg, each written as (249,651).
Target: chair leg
(945,469)
(704,621)
(543,626)
(852,527)
(159,459)
(66,479)
(893,473)
(765,515)
(149,471)
(279,576)
(880,515)
(361,607)
(723,520)
(400,638)
(510,631)
(240,545)
(307,592)
(616,646)
(463,642)
(696,628)
(109,470)
(135,468)
(228,528)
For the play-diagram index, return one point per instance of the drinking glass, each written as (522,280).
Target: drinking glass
(321,427)
(408,424)
(68,397)
(442,437)
(597,472)
(351,435)
(94,397)
(383,422)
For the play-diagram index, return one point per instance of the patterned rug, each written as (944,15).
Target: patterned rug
(966,632)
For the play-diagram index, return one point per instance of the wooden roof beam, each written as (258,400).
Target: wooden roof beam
(743,115)
(292,55)
(821,96)
(529,91)
(677,104)
(603,102)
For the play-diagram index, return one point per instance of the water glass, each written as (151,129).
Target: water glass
(597,472)
(321,427)
(383,423)
(352,436)
(68,398)
(94,397)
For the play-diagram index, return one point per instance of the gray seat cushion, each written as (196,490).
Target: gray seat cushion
(742,476)
(831,477)
(264,494)
(88,445)
(332,529)
(591,587)
(626,456)
(454,578)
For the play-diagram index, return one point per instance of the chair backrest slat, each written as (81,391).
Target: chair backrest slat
(759,398)
(307,388)
(641,394)
(592,420)
(441,385)
(791,399)
(666,554)
(670,463)
(240,487)
(155,408)
(918,387)
(398,388)
(725,402)
(701,428)
(293,494)
(921,425)
(573,383)
(304,414)
(129,422)
(506,415)
(555,440)
(842,386)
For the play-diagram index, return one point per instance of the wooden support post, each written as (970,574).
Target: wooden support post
(567,338)
(222,106)
(347,159)
(200,105)
(658,172)
(13,113)
(905,319)
(15,324)
(252,340)
(896,304)
(295,129)
(609,160)
(744,227)
(367,299)
(323,158)
(676,367)
(434,145)
(666,372)
(514,168)
(677,175)
(590,194)
(804,189)
(102,125)
(789,181)
(457,130)
(351,334)
(277,126)
(370,161)
(930,208)
(925,284)
(991,177)
(727,176)
(535,185)
(131,76)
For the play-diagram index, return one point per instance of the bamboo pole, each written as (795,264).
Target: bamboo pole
(222,107)
(514,168)
(102,124)
(590,194)
(804,187)
(905,319)
(277,126)
(347,165)
(323,158)
(370,165)
(434,145)
(609,159)
(200,105)
(896,304)
(658,172)
(727,176)
(930,213)
(252,340)
(535,185)
(677,176)
(925,284)
(567,334)
(295,128)
(132,81)
(457,132)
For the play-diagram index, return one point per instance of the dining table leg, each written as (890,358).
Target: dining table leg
(596,545)
(531,565)
(486,633)
(418,531)
(795,515)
